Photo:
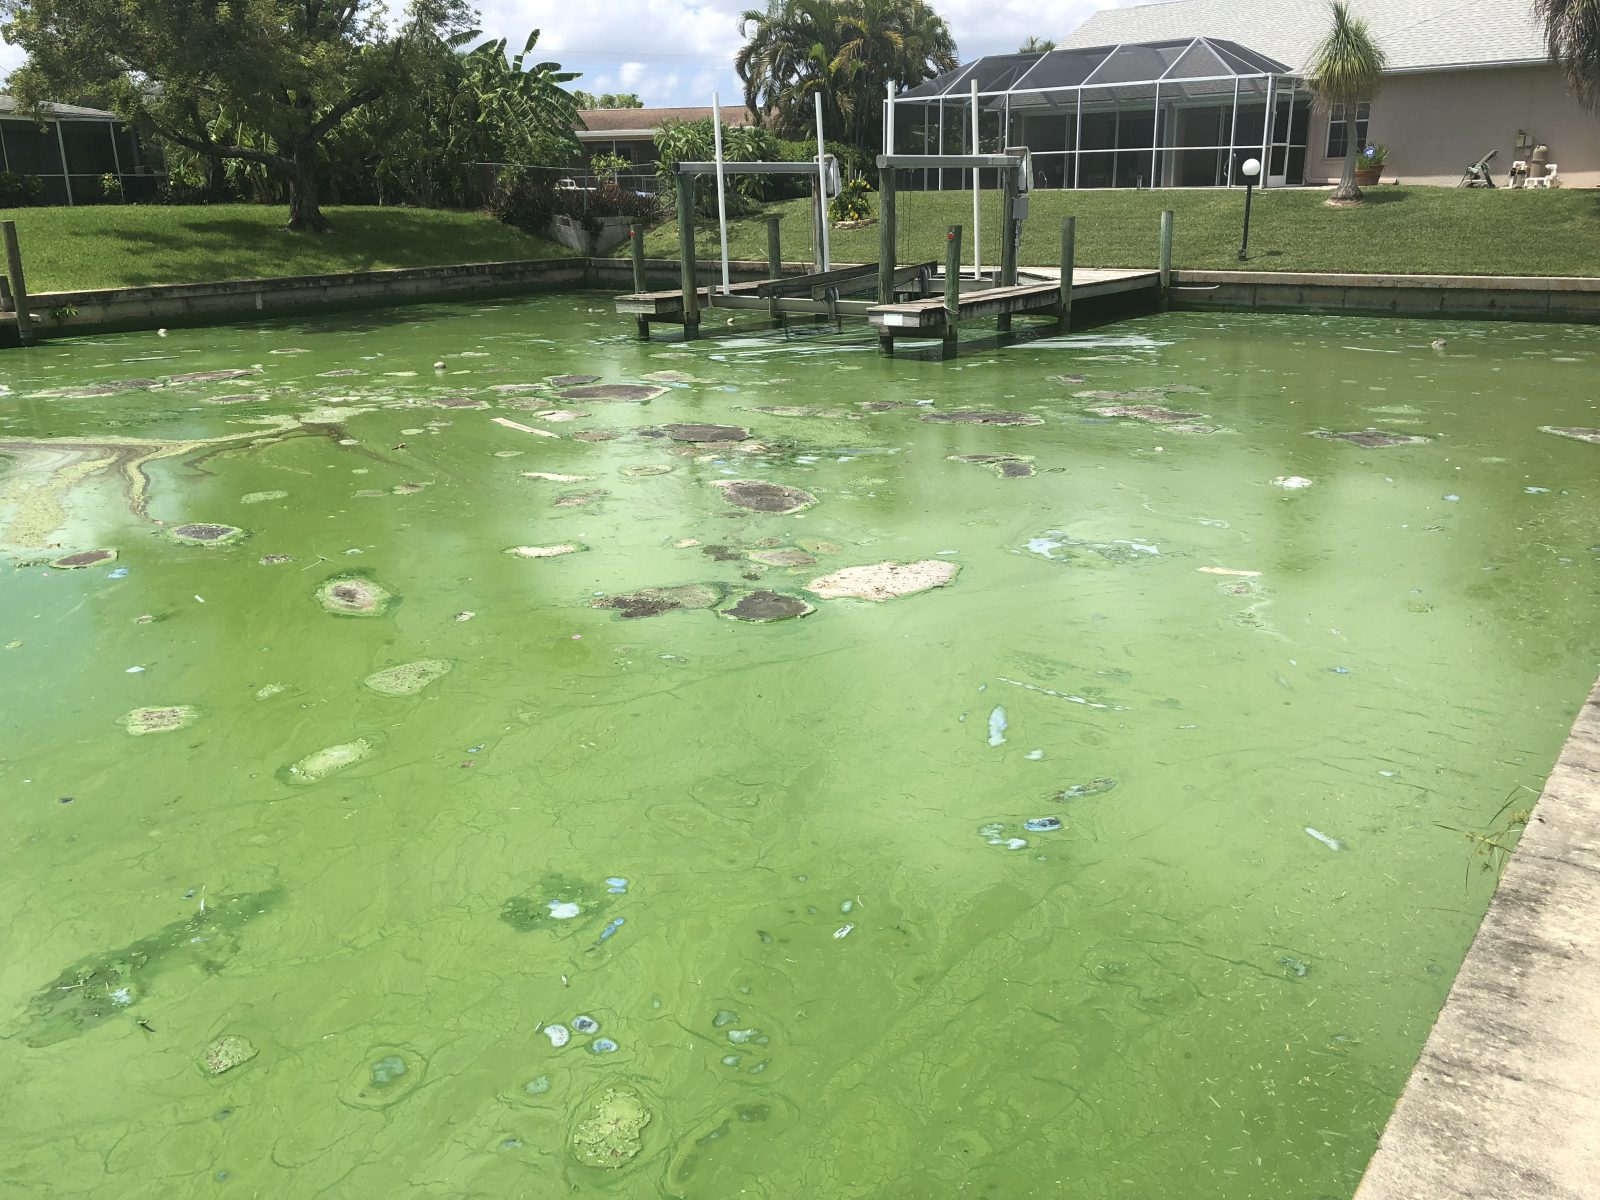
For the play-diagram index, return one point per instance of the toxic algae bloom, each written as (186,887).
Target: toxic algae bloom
(884,581)
(620,393)
(83,558)
(227,1052)
(547,551)
(610,1136)
(159,720)
(316,767)
(409,678)
(205,533)
(353,596)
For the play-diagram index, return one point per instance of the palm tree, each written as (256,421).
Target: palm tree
(846,50)
(1036,45)
(1572,32)
(1345,70)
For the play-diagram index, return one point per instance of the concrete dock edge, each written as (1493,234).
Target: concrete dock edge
(1504,1102)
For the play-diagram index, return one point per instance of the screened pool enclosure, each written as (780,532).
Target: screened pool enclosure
(1183,113)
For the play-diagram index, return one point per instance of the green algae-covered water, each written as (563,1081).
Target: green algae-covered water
(349,854)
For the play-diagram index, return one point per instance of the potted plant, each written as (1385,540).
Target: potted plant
(1369,165)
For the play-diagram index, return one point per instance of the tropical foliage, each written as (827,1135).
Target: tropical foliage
(1345,70)
(1036,45)
(847,51)
(1572,33)
(695,141)
(588,100)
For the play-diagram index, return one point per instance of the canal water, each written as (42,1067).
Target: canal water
(1132,854)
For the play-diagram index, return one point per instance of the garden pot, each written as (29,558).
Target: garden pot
(1369,178)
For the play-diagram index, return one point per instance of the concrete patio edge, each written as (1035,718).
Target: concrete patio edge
(1504,1102)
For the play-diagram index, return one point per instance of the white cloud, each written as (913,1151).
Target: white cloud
(677,52)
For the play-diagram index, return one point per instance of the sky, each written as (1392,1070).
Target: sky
(677,52)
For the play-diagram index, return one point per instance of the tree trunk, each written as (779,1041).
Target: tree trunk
(305,214)
(1347,189)
(216,178)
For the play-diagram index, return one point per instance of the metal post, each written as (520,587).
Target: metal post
(1233,132)
(116,156)
(686,263)
(19,286)
(1077,142)
(886,235)
(66,174)
(1069,249)
(722,198)
(952,286)
(1155,139)
(1166,249)
(822,185)
(1266,134)
(977,228)
(1244,243)
(888,118)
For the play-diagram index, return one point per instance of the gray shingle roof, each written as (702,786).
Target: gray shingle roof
(1416,34)
(66,112)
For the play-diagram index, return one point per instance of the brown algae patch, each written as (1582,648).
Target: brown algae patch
(977,417)
(1569,431)
(547,551)
(761,496)
(706,433)
(241,398)
(457,402)
(1144,412)
(409,678)
(766,606)
(159,720)
(83,558)
(785,557)
(227,1052)
(621,393)
(1373,438)
(353,596)
(320,764)
(595,435)
(1007,466)
(580,499)
(205,533)
(884,581)
(213,376)
(650,602)
(646,471)
(567,381)
(610,1136)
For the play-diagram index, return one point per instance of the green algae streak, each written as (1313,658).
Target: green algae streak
(844,947)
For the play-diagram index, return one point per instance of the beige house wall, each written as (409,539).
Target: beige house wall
(1436,123)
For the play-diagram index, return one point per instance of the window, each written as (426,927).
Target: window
(1339,129)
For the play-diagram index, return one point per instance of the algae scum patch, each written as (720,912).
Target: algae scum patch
(927,801)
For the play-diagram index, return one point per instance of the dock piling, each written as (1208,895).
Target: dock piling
(775,266)
(886,235)
(636,248)
(686,262)
(1069,249)
(1166,252)
(19,286)
(952,287)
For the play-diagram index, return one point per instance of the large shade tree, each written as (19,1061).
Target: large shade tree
(1572,33)
(845,50)
(1345,70)
(288,71)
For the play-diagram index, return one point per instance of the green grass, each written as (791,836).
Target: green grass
(71,249)
(1417,230)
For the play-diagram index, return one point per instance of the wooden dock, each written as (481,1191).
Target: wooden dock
(933,318)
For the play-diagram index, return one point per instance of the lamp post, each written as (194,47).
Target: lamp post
(1251,169)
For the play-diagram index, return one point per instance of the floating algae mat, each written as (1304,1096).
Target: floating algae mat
(833,817)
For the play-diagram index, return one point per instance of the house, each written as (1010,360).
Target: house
(630,133)
(72,151)
(1178,93)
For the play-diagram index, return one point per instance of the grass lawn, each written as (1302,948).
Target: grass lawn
(68,249)
(1414,230)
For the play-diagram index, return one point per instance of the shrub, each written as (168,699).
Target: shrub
(524,200)
(20,191)
(111,189)
(851,204)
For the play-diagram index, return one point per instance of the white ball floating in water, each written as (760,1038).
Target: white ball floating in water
(439,366)
(161,333)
